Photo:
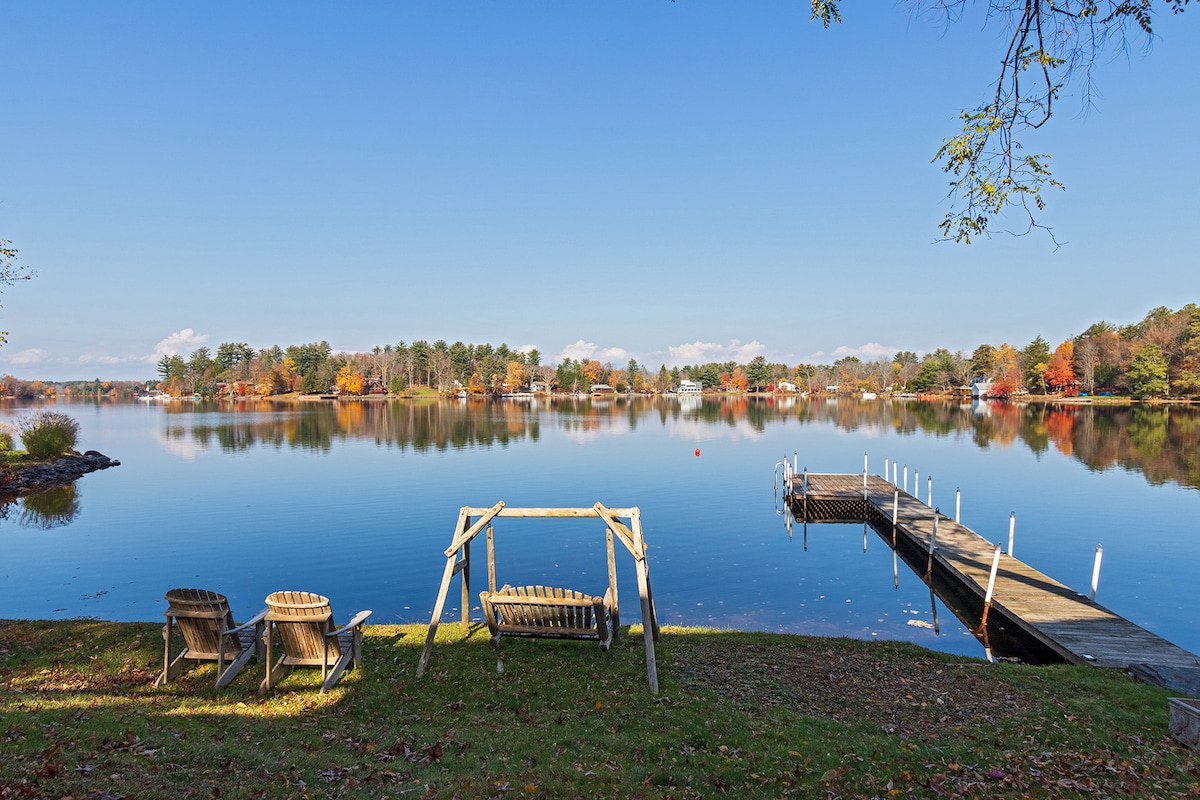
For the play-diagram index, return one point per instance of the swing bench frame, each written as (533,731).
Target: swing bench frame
(622,524)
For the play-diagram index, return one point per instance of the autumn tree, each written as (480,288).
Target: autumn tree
(594,372)
(516,375)
(1005,377)
(1060,371)
(739,380)
(350,380)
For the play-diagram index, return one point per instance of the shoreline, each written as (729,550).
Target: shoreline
(19,480)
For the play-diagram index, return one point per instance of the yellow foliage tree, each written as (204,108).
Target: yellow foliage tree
(516,375)
(350,381)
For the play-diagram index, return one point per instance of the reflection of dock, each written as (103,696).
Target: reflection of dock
(1076,628)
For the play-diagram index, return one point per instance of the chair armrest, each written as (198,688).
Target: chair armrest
(255,620)
(358,620)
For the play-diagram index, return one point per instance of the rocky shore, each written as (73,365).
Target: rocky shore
(21,479)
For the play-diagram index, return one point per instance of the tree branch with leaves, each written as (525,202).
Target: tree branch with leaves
(1052,44)
(11,271)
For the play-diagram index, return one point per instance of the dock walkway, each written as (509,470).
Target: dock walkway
(1078,629)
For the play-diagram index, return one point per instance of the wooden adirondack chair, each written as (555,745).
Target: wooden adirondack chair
(209,634)
(307,634)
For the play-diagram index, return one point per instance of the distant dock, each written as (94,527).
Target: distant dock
(1076,628)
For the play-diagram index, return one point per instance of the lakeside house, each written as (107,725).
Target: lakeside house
(603,390)
(690,387)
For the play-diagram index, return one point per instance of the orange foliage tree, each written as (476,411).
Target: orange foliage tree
(1060,372)
(594,371)
(739,380)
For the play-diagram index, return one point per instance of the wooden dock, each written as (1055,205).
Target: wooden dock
(1068,623)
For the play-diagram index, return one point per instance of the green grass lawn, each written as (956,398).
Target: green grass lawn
(739,715)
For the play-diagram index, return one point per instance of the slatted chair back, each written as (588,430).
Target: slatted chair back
(302,620)
(201,616)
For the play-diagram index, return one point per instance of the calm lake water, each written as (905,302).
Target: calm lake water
(358,501)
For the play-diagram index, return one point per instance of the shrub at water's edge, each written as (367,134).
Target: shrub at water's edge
(47,434)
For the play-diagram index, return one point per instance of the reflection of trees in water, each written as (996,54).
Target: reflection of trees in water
(1162,442)
(52,508)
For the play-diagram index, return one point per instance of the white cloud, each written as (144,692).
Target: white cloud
(179,343)
(526,348)
(34,355)
(871,351)
(705,352)
(585,351)
(90,359)
(578,350)
(614,354)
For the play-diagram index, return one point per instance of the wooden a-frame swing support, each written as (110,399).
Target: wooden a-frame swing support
(458,560)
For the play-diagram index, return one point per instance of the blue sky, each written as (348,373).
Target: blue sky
(674,182)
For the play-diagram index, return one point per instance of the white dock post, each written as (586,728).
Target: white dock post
(929,496)
(906,477)
(1096,572)
(1012,527)
(932,543)
(987,598)
(917,485)
(957,503)
(895,509)
(886,468)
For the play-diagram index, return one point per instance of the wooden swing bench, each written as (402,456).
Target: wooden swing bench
(541,611)
(546,612)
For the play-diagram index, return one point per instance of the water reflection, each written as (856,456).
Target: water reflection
(46,510)
(1158,441)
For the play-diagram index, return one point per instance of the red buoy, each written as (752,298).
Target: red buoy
(697,452)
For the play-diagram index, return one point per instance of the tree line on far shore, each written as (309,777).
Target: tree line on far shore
(1156,357)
